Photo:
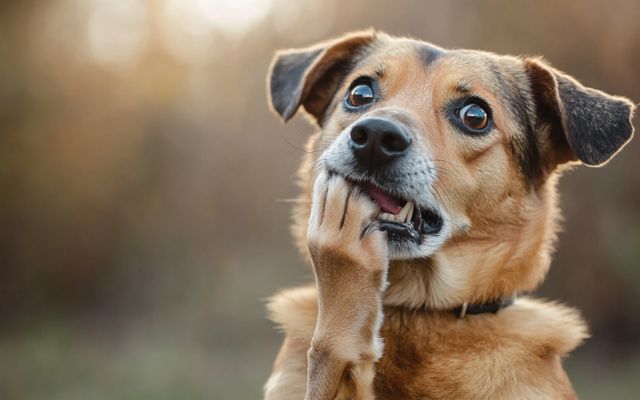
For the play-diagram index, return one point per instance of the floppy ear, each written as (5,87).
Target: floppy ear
(310,76)
(586,124)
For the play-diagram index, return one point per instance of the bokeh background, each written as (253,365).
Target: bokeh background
(144,186)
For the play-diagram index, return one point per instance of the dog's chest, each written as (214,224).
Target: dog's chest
(442,357)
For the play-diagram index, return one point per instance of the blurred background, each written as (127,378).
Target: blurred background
(143,186)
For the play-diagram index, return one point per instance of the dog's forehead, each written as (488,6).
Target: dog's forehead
(493,71)
(500,76)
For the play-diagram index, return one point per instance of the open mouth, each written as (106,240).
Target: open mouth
(403,219)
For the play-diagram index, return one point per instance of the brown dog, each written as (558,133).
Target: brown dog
(429,203)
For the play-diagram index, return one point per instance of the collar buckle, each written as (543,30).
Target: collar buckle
(481,308)
(463,310)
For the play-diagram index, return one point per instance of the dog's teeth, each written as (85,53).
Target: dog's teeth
(387,217)
(410,213)
(406,212)
(402,215)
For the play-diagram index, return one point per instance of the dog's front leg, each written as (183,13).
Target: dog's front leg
(350,261)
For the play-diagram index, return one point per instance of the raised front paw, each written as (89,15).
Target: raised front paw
(350,260)
(342,226)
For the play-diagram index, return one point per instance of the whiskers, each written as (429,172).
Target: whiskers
(319,148)
(293,201)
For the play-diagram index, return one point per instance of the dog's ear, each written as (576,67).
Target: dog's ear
(310,76)
(585,124)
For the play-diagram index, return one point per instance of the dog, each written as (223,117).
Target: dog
(428,204)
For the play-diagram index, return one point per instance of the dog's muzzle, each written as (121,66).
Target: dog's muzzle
(376,144)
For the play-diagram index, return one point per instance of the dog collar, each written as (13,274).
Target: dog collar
(482,308)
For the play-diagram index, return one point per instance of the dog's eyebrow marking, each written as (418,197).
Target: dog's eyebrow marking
(429,54)
(380,70)
(463,87)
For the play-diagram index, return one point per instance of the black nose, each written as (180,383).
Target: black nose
(376,142)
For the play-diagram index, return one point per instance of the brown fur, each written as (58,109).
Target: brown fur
(513,354)
(498,191)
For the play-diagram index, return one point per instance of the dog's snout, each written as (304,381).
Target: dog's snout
(376,142)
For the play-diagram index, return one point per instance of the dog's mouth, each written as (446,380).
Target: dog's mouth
(403,219)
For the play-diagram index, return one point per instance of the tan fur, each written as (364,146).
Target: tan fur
(350,262)
(502,235)
(435,355)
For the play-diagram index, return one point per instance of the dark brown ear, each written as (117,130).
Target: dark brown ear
(310,76)
(586,124)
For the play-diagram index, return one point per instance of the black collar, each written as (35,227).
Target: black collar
(482,308)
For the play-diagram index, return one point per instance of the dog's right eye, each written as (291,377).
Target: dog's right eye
(474,117)
(360,94)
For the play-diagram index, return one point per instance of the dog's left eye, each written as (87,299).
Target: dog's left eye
(360,94)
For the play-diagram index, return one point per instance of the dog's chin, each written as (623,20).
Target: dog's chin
(407,242)
(402,247)
(417,237)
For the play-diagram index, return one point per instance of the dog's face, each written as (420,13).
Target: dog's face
(457,147)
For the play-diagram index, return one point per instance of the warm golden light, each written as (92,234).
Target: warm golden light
(116,30)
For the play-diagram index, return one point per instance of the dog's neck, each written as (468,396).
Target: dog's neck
(475,271)
(412,286)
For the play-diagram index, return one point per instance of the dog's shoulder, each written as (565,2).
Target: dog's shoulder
(295,310)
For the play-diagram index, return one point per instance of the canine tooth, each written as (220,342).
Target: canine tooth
(405,212)
(402,215)
(410,213)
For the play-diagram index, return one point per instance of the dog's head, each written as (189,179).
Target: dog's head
(460,149)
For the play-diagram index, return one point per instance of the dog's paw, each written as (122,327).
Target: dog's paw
(343,225)
(350,259)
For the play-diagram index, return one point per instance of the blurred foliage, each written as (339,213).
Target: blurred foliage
(142,178)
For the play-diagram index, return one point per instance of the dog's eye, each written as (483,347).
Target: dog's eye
(474,117)
(360,94)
